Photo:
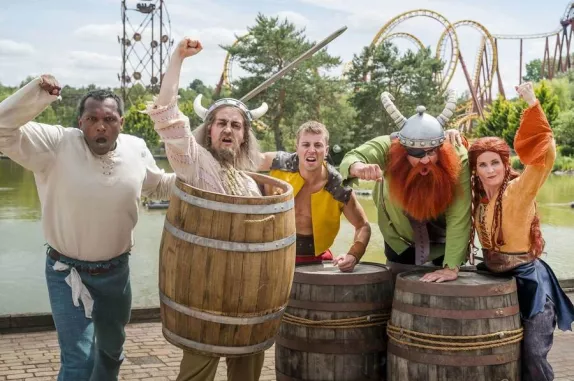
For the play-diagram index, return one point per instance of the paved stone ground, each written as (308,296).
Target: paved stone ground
(35,356)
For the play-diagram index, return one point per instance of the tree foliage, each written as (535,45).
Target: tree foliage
(410,79)
(300,95)
(504,116)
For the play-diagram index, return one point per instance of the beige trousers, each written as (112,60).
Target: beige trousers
(195,367)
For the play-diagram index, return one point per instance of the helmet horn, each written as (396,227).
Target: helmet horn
(198,107)
(449,109)
(387,100)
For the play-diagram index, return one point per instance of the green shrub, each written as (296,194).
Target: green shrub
(566,151)
(516,163)
(564,163)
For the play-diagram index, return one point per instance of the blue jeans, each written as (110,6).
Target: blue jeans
(91,349)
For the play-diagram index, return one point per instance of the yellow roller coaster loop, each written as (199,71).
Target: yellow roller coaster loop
(490,45)
(450,67)
(406,36)
(228,61)
(464,119)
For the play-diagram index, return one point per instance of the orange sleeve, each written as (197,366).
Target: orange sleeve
(533,137)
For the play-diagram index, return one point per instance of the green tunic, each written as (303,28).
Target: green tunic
(457,215)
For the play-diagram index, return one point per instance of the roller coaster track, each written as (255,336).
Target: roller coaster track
(406,36)
(450,66)
(566,17)
(491,53)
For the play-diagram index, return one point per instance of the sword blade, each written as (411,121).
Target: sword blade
(275,77)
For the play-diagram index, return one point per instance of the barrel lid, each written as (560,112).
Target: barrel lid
(327,274)
(468,283)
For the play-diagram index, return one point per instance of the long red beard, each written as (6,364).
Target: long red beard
(423,197)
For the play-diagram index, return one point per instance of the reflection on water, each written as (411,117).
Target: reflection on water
(22,252)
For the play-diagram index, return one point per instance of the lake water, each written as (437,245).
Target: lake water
(22,251)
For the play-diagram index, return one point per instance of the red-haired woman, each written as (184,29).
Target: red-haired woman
(506,222)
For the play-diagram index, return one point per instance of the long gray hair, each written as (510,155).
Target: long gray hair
(249,155)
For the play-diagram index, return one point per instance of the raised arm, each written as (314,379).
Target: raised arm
(169,122)
(534,144)
(32,145)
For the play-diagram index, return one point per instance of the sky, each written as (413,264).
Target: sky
(77,41)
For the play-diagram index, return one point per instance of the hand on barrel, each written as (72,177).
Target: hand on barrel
(366,171)
(49,84)
(442,275)
(346,262)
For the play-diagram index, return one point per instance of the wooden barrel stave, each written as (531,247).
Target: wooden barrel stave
(223,282)
(409,363)
(314,353)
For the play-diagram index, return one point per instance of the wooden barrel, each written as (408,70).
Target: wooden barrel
(467,329)
(226,268)
(334,326)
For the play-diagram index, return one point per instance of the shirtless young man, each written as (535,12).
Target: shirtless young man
(320,198)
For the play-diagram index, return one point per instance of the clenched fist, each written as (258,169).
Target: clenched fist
(49,84)
(188,47)
(526,92)
(366,171)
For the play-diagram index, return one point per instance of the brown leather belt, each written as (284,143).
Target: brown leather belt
(55,255)
(499,262)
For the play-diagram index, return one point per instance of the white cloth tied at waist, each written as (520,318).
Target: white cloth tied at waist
(79,290)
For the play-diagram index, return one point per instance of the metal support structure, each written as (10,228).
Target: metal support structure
(144,53)
(470,86)
(520,69)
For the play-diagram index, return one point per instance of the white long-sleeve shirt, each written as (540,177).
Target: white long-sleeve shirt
(89,202)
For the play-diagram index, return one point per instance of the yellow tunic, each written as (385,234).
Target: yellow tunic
(535,147)
(326,204)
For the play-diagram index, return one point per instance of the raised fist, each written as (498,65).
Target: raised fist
(188,47)
(526,92)
(366,171)
(50,84)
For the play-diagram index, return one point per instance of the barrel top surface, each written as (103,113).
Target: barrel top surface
(328,269)
(327,274)
(260,179)
(468,283)
(464,278)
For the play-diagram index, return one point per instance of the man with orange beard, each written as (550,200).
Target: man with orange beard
(424,201)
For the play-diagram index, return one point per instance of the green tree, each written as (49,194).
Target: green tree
(48,116)
(139,124)
(496,120)
(410,79)
(562,88)
(504,117)
(534,71)
(564,131)
(269,47)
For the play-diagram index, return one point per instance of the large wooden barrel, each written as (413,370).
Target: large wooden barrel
(467,329)
(226,268)
(334,326)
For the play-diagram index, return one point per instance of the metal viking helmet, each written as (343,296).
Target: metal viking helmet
(420,130)
(252,115)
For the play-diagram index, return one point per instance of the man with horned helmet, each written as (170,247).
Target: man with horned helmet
(424,201)
(320,198)
(212,158)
